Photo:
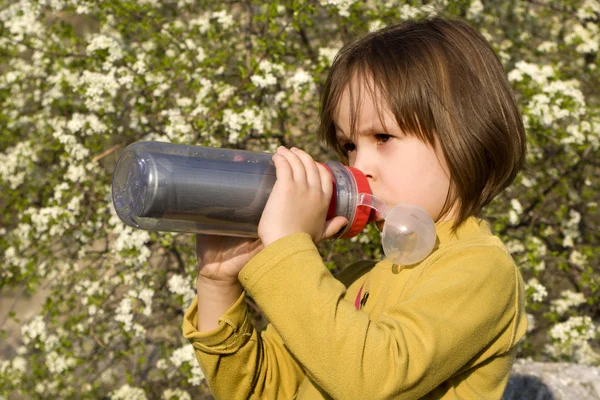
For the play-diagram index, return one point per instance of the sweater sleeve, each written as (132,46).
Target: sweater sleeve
(463,304)
(238,362)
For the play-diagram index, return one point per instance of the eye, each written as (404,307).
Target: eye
(348,147)
(382,138)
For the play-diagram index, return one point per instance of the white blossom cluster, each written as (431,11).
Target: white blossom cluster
(252,117)
(185,355)
(475,9)
(178,129)
(515,212)
(21,19)
(268,74)
(571,339)
(536,291)
(15,163)
(35,329)
(58,363)
(327,54)
(124,314)
(539,74)
(585,36)
(342,6)
(128,239)
(104,42)
(175,394)
(127,392)
(299,80)
(568,299)
(13,369)
(180,285)
(570,228)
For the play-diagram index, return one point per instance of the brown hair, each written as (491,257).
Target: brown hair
(445,85)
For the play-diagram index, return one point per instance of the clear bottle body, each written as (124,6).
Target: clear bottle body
(177,188)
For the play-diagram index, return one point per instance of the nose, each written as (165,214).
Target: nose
(361,162)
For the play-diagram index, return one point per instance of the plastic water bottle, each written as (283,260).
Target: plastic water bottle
(177,188)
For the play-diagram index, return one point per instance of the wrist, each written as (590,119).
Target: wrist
(215,297)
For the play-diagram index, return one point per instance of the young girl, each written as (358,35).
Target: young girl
(425,111)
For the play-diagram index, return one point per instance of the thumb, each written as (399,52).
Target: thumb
(334,225)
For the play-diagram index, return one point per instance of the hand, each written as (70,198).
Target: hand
(221,258)
(299,200)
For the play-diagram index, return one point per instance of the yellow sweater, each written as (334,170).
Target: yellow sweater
(443,328)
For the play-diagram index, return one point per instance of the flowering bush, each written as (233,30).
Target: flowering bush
(81,79)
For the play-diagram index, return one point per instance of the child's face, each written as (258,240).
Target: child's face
(399,168)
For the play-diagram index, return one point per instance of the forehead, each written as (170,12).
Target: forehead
(361,105)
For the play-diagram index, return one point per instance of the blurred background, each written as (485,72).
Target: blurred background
(91,308)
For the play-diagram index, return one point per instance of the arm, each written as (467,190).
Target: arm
(238,362)
(461,306)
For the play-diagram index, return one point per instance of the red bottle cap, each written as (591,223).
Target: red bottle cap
(364,214)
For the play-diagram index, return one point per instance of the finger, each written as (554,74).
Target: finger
(334,225)
(313,177)
(326,181)
(298,170)
(283,169)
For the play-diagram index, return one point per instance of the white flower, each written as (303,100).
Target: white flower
(264,81)
(540,74)
(577,258)
(475,9)
(124,314)
(409,12)
(127,392)
(182,355)
(162,364)
(576,330)
(300,79)
(176,394)
(376,25)
(252,118)
(586,37)
(516,205)
(57,363)
(537,290)
(567,300)
(103,42)
(180,285)
(514,246)
(530,322)
(16,163)
(327,54)
(223,18)
(202,22)
(343,6)
(146,296)
(513,217)
(186,354)
(547,47)
(36,329)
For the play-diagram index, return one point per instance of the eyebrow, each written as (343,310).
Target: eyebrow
(360,132)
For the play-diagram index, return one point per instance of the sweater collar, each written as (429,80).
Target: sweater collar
(470,226)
